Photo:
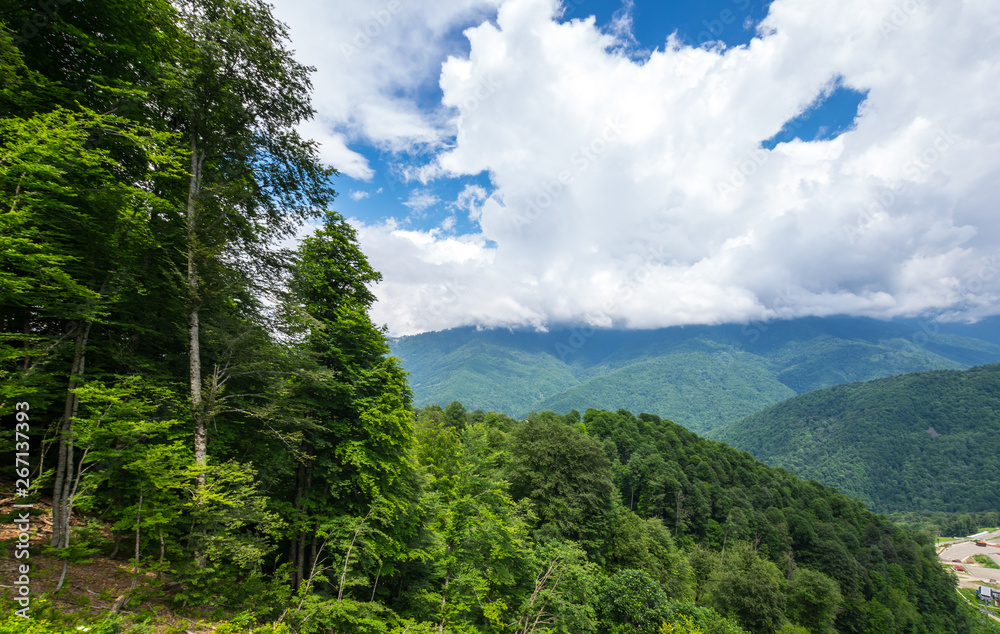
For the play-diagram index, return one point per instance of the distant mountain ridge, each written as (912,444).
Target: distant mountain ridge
(923,441)
(702,377)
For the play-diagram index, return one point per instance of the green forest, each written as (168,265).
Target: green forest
(917,442)
(703,377)
(226,417)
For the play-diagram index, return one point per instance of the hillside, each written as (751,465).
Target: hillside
(925,441)
(673,517)
(703,377)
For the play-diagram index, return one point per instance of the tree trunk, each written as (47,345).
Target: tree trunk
(138,519)
(347,559)
(303,479)
(295,552)
(194,306)
(444,598)
(313,552)
(64,465)
(163,553)
(300,558)
(194,327)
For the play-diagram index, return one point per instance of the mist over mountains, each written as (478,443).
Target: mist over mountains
(703,377)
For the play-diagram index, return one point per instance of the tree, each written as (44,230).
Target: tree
(455,413)
(236,94)
(348,400)
(477,537)
(813,600)
(748,589)
(74,215)
(81,169)
(629,601)
(566,476)
(648,546)
(562,598)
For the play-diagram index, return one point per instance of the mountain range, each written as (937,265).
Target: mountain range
(703,377)
(928,441)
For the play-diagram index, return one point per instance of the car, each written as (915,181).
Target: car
(959,568)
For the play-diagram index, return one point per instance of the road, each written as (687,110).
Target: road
(963,550)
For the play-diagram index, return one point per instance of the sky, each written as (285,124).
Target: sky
(643,164)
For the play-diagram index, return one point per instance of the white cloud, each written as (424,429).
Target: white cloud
(371,59)
(635,193)
(470,200)
(334,150)
(357,195)
(421,199)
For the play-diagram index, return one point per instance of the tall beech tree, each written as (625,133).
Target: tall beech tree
(236,94)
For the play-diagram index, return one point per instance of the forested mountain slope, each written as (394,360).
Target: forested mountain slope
(703,377)
(222,416)
(925,441)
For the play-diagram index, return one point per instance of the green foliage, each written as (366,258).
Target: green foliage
(789,521)
(630,601)
(565,475)
(647,545)
(320,615)
(985,561)
(747,589)
(136,248)
(688,618)
(891,443)
(43,618)
(813,600)
(792,628)
(938,524)
(564,596)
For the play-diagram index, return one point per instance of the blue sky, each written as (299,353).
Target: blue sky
(533,163)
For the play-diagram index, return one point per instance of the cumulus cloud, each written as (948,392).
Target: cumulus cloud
(371,59)
(635,193)
(357,195)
